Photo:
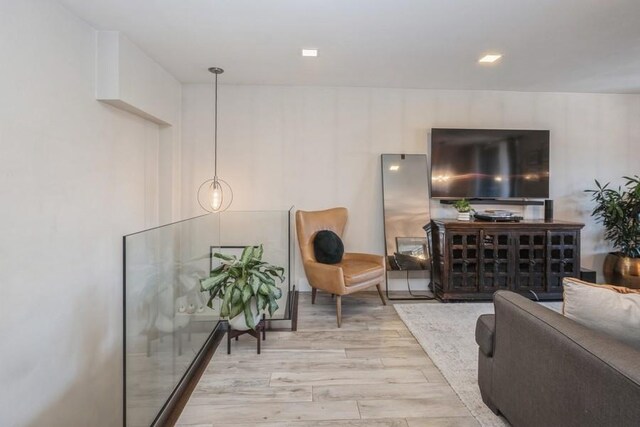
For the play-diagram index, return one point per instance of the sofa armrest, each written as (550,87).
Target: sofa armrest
(549,370)
(485,332)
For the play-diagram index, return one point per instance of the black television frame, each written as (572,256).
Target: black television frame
(515,200)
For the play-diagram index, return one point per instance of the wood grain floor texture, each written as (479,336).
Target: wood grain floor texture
(370,372)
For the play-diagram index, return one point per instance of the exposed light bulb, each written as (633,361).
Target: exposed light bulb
(215,198)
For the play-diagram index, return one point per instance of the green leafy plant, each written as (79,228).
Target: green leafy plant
(239,282)
(462,205)
(619,212)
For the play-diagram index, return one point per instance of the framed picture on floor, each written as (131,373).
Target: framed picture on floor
(414,246)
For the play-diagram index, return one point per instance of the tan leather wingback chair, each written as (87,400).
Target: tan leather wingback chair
(354,273)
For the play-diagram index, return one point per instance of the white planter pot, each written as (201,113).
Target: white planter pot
(239,323)
(464,216)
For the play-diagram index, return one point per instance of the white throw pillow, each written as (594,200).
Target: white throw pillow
(614,310)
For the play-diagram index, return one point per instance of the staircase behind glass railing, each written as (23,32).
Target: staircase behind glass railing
(167,323)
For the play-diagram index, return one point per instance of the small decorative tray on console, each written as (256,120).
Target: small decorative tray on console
(497,218)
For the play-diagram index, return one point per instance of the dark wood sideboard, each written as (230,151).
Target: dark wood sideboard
(473,259)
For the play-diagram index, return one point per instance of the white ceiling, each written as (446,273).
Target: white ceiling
(548,45)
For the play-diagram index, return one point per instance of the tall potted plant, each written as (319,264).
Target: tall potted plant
(618,210)
(246,285)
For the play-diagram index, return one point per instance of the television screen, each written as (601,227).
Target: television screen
(489,163)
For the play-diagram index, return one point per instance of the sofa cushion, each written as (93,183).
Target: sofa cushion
(613,310)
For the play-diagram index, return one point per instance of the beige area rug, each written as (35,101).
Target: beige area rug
(446,332)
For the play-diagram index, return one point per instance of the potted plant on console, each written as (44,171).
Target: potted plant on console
(464,209)
(619,212)
(246,286)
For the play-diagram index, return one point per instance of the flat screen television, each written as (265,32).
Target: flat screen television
(489,163)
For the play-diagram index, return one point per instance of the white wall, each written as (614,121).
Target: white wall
(130,79)
(75,175)
(319,147)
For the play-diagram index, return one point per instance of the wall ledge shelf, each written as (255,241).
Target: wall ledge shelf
(510,202)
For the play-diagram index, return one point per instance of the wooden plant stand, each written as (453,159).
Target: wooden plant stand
(232,333)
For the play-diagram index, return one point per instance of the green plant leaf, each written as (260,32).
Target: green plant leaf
(236,295)
(240,282)
(217,270)
(264,289)
(224,257)
(276,291)
(276,272)
(236,309)
(261,302)
(209,282)
(255,284)
(224,308)
(210,302)
(273,306)
(247,253)
(264,278)
(257,252)
(248,317)
(235,272)
(254,264)
(215,290)
(246,293)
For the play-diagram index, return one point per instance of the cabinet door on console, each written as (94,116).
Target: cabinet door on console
(463,261)
(495,269)
(530,260)
(563,255)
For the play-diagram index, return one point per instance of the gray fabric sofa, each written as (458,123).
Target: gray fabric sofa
(538,368)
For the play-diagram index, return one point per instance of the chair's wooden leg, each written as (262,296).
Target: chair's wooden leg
(384,302)
(314,291)
(339,309)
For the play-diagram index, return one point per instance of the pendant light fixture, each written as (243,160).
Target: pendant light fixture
(215,194)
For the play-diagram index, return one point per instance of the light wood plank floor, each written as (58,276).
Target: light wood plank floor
(370,372)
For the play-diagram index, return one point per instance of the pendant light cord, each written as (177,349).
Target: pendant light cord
(215,130)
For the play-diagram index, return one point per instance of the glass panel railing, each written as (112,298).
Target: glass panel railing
(269,228)
(166,320)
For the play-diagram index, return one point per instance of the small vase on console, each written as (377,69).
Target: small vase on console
(464,216)
(464,209)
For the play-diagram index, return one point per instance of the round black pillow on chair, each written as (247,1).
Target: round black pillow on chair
(328,247)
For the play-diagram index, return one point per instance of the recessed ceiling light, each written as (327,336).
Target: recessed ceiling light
(309,52)
(489,59)
(394,167)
